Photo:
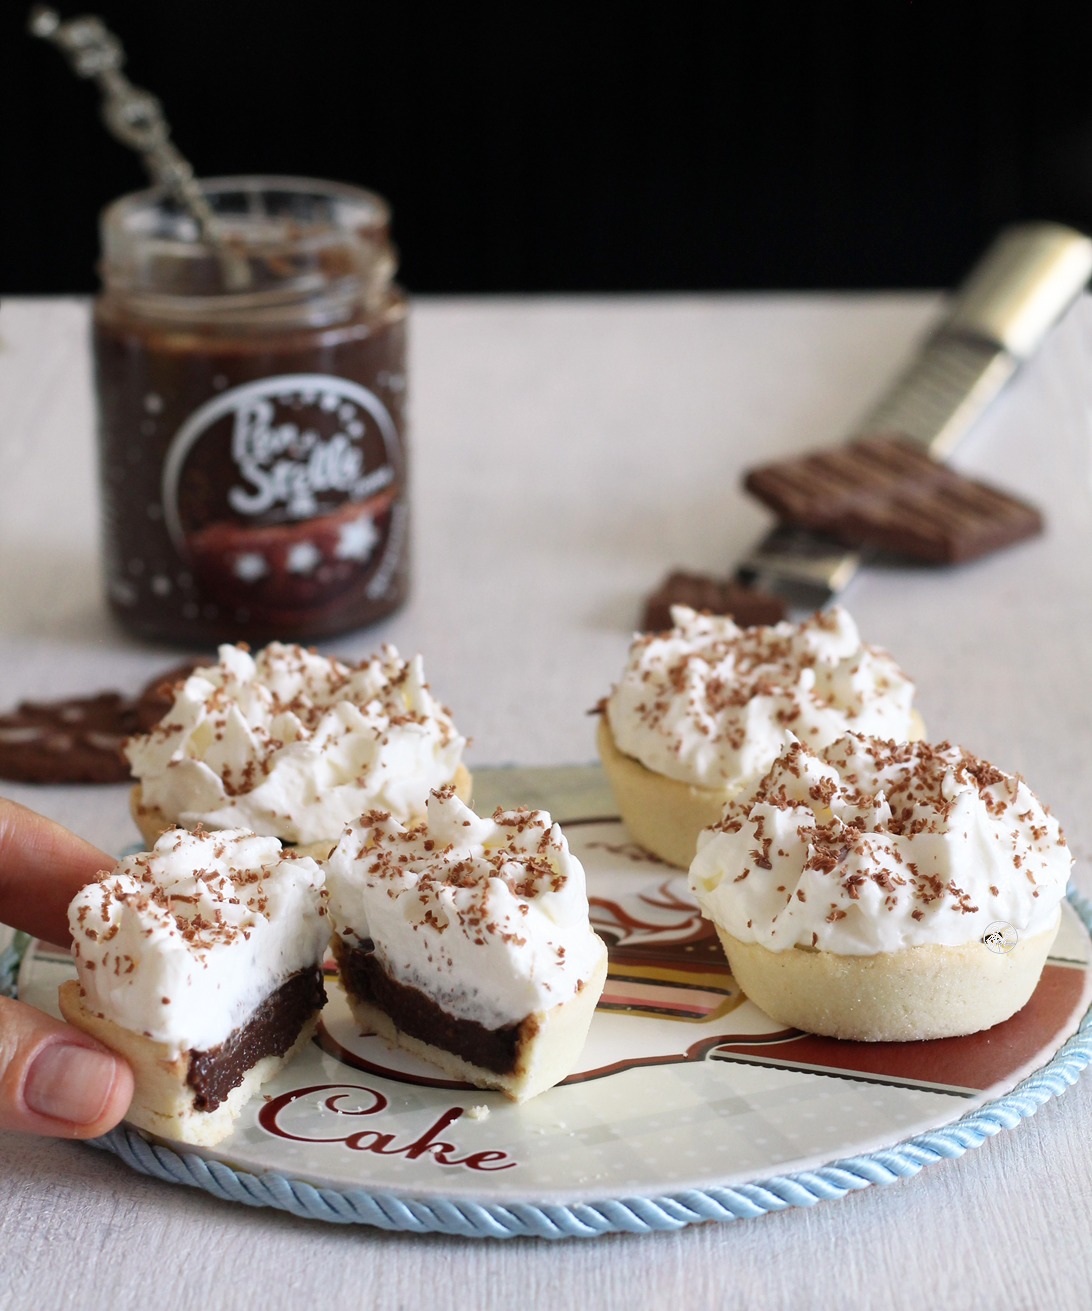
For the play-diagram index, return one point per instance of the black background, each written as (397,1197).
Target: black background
(597,147)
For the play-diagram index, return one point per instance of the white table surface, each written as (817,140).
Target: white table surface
(566,452)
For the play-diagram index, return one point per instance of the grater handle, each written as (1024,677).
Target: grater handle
(1021,287)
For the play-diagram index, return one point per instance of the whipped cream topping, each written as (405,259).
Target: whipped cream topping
(488,917)
(183,942)
(711,704)
(294,745)
(867,846)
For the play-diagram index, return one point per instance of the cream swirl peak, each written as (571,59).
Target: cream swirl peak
(868,846)
(182,943)
(488,917)
(294,744)
(711,704)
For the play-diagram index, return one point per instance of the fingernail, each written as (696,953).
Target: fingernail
(70,1083)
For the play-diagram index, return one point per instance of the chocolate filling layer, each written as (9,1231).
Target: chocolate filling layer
(419,1016)
(270,1031)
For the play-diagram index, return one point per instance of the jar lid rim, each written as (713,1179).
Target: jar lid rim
(150,197)
(302,241)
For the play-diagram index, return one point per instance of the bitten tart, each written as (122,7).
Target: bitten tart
(704,708)
(294,745)
(857,890)
(200,962)
(467,942)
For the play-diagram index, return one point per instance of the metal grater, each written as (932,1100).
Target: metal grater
(1001,313)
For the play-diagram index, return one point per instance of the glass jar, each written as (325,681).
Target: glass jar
(251,413)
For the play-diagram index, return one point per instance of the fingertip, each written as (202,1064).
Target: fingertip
(114,1104)
(76,1089)
(56,1080)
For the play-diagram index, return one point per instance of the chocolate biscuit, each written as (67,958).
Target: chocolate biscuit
(720,597)
(77,740)
(887,493)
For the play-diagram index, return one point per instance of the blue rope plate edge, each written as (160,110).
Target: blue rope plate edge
(632,1215)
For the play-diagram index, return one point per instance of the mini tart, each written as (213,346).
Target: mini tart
(859,890)
(664,815)
(915,993)
(293,744)
(544,1046)
(200,962)
(152,822)
(166,1101)
(467,940)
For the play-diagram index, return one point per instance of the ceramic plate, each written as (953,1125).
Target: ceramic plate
(683,1084)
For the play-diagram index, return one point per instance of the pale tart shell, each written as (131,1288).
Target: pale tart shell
(162,1099)
(915,993)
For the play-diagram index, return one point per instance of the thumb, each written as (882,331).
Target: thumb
(55,1080)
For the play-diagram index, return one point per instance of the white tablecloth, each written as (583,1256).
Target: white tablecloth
(565,453)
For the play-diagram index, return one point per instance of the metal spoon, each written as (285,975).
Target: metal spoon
(136,118)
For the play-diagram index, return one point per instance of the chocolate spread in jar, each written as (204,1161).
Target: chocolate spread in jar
(252,447)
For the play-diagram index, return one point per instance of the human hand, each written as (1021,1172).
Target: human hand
(54,1080)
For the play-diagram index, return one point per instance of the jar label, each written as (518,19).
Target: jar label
(283,494)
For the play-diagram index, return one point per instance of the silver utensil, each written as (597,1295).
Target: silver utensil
(1000,316)
(136,118)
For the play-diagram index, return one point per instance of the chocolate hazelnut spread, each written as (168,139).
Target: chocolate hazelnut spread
(252,443)
(419,1016)
(270,1031)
